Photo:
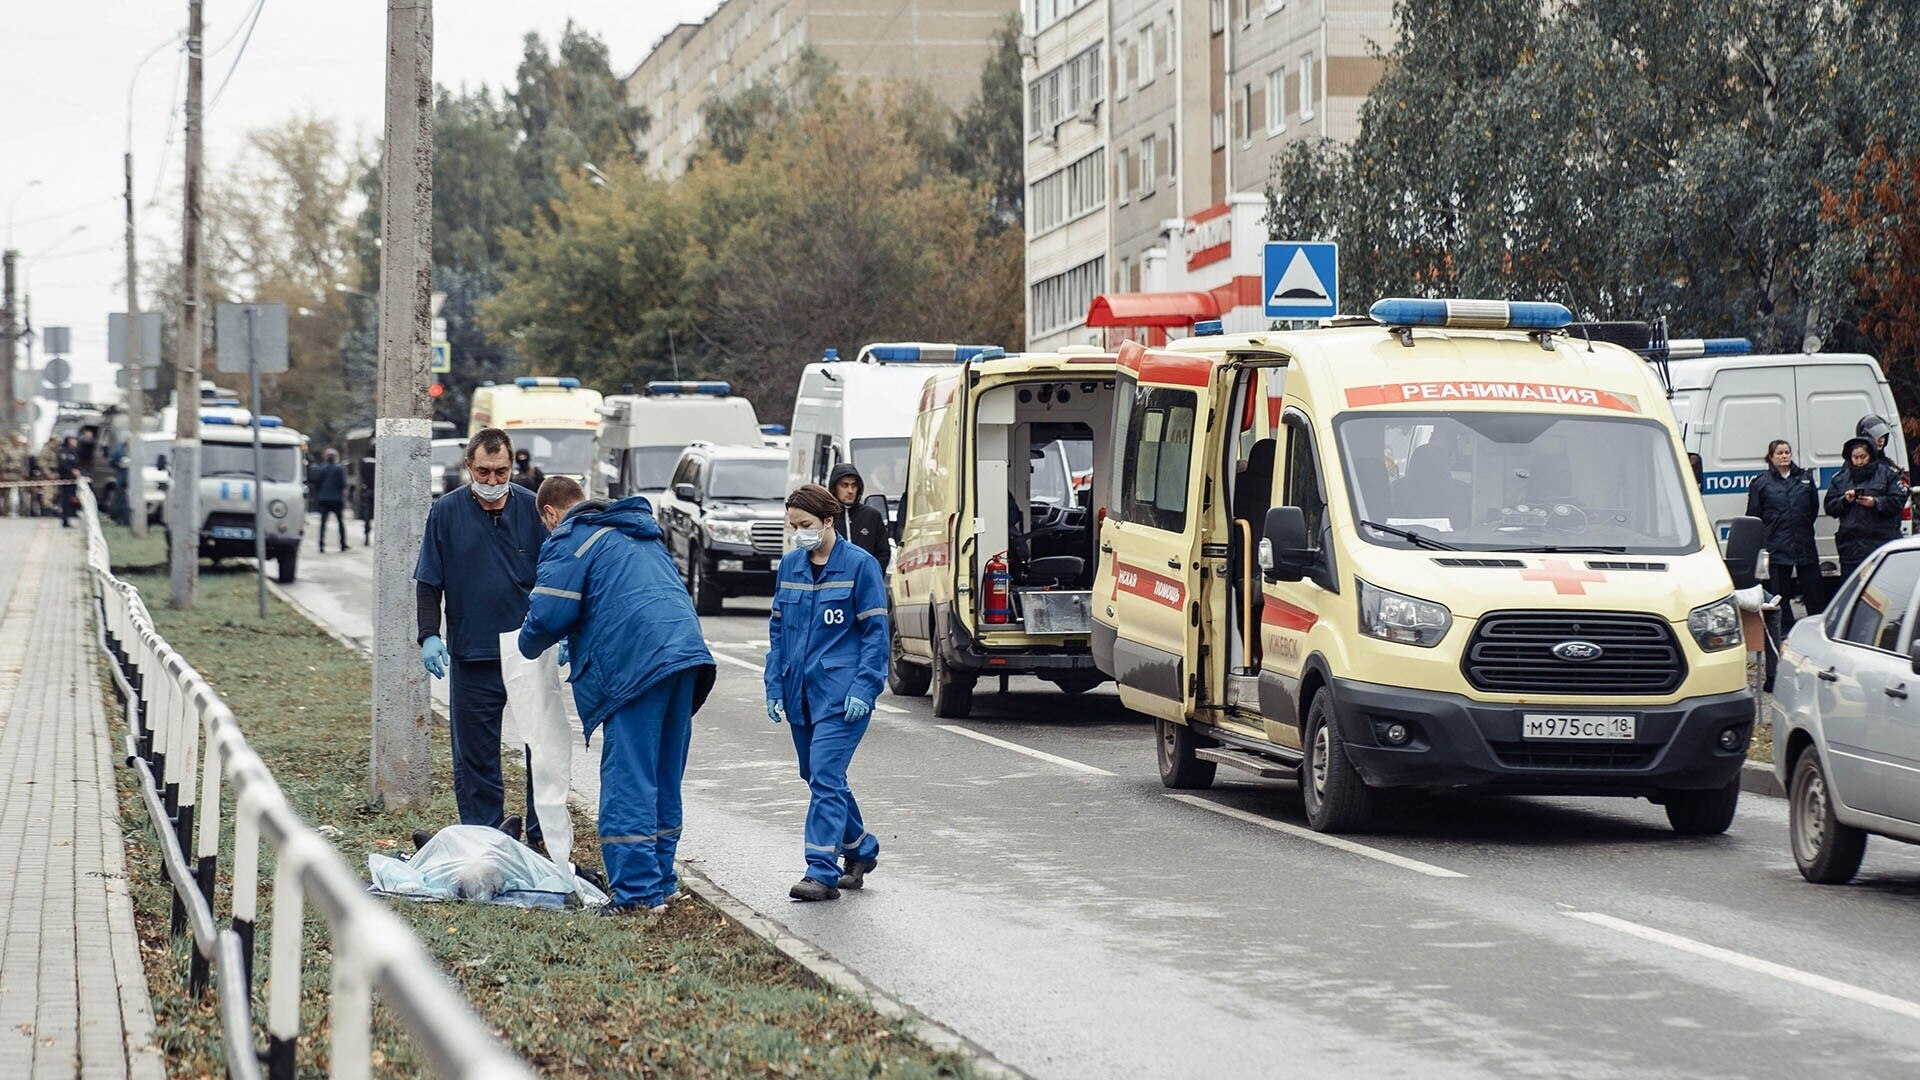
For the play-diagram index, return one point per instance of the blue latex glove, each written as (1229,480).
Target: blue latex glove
(433,654)
(856,710)
(566,655)
(776,712)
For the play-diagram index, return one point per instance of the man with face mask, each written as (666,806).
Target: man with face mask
(609,591)
(478,558)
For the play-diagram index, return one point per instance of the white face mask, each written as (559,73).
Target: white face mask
(490,492)
(806,539)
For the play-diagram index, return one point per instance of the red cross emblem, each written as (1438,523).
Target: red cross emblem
(1567,581)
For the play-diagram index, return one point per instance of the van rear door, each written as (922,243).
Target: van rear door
(1147,589)
(1747,408)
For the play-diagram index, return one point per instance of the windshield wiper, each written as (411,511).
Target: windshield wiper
(1591,549)
(1413,538)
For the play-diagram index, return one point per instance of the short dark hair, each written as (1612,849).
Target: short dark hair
(559,492)
(816,500)
(1775,445)
(489,440)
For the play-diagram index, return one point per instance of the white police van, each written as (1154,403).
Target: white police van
(228,522)
(642,435)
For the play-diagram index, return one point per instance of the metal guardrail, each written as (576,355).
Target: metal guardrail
(188,750)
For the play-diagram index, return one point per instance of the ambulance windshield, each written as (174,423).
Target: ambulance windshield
(1517,482)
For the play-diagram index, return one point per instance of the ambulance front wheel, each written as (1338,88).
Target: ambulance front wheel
(1337,799)
(952,690)
(904,677)
(1179,768)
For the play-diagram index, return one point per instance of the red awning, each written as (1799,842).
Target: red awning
(1180,309)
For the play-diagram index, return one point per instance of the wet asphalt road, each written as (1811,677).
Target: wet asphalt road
(1078,920)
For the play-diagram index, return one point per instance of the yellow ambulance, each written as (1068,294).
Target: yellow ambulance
(553,418)
(1445,548)
(1006,480)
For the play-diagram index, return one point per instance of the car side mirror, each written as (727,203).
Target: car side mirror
(161,463)
(1745,537)
(1284,554)
(878,504)
(686,493)
(1913,657)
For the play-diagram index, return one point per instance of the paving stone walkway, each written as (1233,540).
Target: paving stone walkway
(73,994)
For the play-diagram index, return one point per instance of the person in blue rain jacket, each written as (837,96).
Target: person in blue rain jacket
(640,669)
(826,662)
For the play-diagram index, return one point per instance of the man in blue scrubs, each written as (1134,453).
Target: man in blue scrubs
(478,557)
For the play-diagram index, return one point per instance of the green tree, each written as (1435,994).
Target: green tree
(989,144)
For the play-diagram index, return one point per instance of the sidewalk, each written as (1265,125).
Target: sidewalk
(73,994)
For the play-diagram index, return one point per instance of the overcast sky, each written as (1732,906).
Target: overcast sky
(64,72)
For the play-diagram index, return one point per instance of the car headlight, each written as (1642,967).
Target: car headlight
(277,508)
(1716,626)
(1409,620)
(732,532)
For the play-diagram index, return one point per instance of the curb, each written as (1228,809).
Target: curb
(815,961)
(1757,778)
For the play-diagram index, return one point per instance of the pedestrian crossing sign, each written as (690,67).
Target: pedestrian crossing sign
(1301,280)
(442,358)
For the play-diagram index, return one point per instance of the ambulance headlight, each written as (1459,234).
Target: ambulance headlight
(732,532)
(1715,626)
(1409,620)
(277,508)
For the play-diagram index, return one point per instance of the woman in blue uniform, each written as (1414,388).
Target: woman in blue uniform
(826,663)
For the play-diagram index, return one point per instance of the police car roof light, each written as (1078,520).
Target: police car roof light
(220,420)
(773,429)
(718,389)
(895,354)
(969,353)
(1403,312)
(568,382)
(830,355)
(1209,328)
(1689,348)
(271,421)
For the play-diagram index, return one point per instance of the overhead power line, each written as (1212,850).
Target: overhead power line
(258,7)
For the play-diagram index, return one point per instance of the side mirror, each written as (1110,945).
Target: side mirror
(1699,469)
(1914,657)
(686,493)
(1745,537)
(1284,554)
(161,463)
(876,503)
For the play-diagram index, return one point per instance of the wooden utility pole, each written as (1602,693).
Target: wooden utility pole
(183,488)
(403,430)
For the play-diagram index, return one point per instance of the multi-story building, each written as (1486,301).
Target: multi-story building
(1201,98)
(942,44)
(1068,165)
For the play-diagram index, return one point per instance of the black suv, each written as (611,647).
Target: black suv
(724,519)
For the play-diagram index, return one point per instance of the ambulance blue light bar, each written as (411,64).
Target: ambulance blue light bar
(1471,314)
(271,421)
(565,382)
(773,429)
(719,389)
(970,353)
(221,420)
(1209,328)
(1689,348)
(933,354)
(830,356)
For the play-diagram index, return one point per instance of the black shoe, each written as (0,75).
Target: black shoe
(511,826)
(857,871)
(809,889)
(614,911)
(420,838)
(594,878)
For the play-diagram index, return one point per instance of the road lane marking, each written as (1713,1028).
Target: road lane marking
(1850,992)
(1027,750)
(884,707)
(1339,842)
(740,662)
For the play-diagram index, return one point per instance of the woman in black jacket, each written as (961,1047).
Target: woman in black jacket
(1867,497)
(1787,498)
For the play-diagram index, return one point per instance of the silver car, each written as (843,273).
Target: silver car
(1846,718)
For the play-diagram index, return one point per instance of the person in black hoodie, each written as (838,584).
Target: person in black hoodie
(1867,498)
(1787,498)
(862,524)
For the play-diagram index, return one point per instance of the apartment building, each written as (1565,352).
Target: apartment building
(1068,168)
(941,43)
(1201,97)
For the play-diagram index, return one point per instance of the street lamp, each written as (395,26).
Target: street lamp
(14,202)
(594,175)
(343,287)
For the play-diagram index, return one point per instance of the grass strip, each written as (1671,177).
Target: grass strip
(684,994)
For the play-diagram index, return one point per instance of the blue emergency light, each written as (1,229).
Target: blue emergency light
(1402,312)
(773,429)
(895,354)
(1209,328)
(565,382)
(271,421)
(830,356)
(970,353)
(222,420)
(223,403)
(718,389)
(1688,348)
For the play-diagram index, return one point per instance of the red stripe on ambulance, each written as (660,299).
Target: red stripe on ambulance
(1146,583)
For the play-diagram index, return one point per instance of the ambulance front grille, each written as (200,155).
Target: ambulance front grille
(769,537)
(1511,652)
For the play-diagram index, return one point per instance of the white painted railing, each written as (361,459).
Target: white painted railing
(188,750)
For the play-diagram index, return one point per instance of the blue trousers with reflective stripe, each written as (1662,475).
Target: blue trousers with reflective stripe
(643,757)
(834,825)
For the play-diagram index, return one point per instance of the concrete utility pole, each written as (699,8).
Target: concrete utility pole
(183,488)
(136,390)
(9,421)
(402,431)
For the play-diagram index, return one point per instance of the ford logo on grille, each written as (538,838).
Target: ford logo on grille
(1577,652)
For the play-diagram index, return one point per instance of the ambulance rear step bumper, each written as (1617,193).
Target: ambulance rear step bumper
(1253,763)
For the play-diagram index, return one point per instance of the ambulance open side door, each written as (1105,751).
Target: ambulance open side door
(1148,584)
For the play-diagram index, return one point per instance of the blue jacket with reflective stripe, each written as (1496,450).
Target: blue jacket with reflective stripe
(828,638)
(607,585)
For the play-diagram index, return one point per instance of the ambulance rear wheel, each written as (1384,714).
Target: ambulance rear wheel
(1179,768)
(1337,799)
(706,599)
(952,691)
(904,677)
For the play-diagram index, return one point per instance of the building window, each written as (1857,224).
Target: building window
(1246,110)
(1173,154)
(1122,69)
(1309,88)
(1120,275)
(1274,6)
(1061,301)
(1036,120)
(1217,16)
(1219,130)
(1244,10)
(1166,44)
(1124,181)
(1145,50)
(1066,194)
(1149,165)
(1276,101)
(1085,84)
(1240,117)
